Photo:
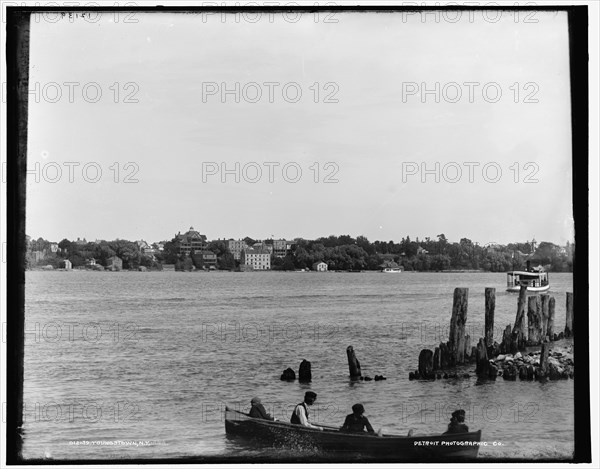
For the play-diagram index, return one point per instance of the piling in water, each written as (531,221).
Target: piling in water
(490,307)
(288,375)
(436,359)
(353,363)
(534,320)
(467,352)
(304,373)
(506,340)
(483,364)
(544,360)
(545,313)
(519,333)
(426,364)
(456,342)
(444,356)
(550,328)
(569,323)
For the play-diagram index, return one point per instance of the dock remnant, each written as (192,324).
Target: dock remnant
(426,364)
(467,352)
(353,363)
(456,342)
(304,373)
(436,359)
(534,319)
(519,334)
(509,359)
(288,375)
(550,328)
(444,356)
(506,340)
(544,360)
(483,364)
(545,313)
(490,307)
(569,322)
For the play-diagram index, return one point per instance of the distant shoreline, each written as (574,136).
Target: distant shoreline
(454,271)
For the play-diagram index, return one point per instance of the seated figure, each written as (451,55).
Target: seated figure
(356,421)
(457,423)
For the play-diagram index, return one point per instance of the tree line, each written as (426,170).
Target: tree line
(338,252)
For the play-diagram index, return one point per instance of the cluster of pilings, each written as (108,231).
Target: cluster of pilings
(305,373)
(535,328)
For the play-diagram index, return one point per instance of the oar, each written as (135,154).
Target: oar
(328,427)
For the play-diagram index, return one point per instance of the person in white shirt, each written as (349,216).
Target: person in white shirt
(300,414)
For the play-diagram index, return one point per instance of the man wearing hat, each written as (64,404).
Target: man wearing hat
(300,414)
(258,411)
(457,423)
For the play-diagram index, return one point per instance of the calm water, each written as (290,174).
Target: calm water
(156,356)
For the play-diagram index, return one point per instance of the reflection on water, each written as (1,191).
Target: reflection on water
(154,357)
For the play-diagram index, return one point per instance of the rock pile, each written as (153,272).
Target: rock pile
(553,365)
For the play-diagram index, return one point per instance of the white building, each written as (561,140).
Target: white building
(320,266)
(258,259)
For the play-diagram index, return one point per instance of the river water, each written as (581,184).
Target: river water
(150,360)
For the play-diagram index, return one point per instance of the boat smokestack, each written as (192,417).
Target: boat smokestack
(528,266)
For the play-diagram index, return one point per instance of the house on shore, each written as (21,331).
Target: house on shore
(257,259)
(190,241)
(320,266)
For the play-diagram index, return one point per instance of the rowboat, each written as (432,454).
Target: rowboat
(345,446)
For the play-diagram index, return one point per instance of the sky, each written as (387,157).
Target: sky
(378,124)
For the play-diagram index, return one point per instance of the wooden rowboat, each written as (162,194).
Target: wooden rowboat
(442,447)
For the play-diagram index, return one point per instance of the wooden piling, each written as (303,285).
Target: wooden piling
(304,373)
(569,324)
(519,327)
(288,375)
(544,359)
(426,364)
(467,352)
(456,342)
(517,342)
(483,363)
(353,363)
(444,356)
(534,320)
(436,359)
(551,307)
(490,307)
(506,340)
(544,332)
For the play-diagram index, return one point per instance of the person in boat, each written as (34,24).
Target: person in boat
(356,422)
(457,423)
(300,413)
(258,411)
